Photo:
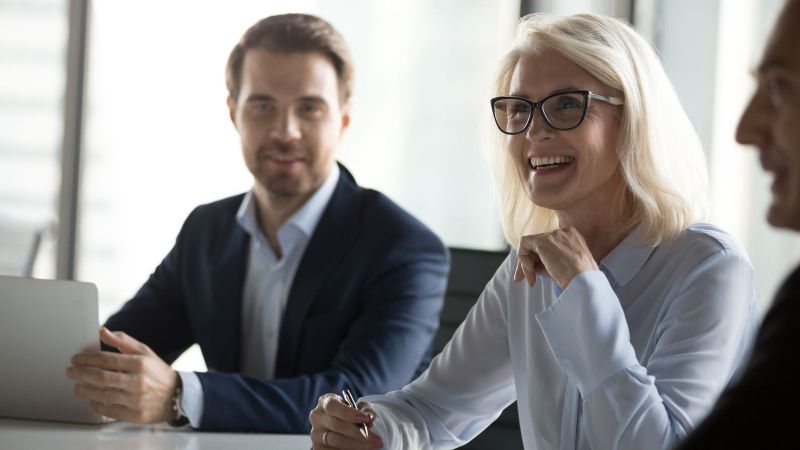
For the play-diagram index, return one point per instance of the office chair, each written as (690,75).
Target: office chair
(19,245)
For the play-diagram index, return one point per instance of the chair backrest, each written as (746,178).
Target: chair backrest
(19,245)
(470,270)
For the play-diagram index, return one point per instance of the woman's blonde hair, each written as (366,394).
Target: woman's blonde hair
(661,158)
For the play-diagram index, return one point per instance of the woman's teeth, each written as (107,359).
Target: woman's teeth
(549,161)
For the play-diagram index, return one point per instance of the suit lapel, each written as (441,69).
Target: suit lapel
(229,272)
(332,237)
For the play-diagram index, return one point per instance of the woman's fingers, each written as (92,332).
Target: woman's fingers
(335,425)
(334,406)
(528,267)
(558,255)
(528,261)
(518,273)
(369,410)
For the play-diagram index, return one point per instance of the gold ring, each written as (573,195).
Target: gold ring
(325,438)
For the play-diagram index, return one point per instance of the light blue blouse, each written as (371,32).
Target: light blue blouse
(628,357)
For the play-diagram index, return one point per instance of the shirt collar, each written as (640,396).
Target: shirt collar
(304,219)
(307,217)
(627,258)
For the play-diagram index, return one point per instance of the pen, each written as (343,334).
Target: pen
(348,398)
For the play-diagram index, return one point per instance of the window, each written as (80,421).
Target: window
(708,55)
(33,37)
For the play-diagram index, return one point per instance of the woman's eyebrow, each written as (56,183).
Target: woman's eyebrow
(553,92)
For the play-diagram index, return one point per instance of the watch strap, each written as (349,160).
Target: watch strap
(180,416)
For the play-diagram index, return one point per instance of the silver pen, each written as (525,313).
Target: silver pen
(348,398)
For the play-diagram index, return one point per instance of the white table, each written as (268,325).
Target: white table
(33,435)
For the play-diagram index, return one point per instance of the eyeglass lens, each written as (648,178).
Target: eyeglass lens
(561,111)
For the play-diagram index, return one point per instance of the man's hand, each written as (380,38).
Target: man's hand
(134,386)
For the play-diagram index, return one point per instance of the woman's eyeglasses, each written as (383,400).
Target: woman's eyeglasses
(562,111)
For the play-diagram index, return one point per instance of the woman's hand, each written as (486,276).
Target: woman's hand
(559,254)
(334,425)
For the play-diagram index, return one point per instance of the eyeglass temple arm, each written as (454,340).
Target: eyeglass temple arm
(612,100)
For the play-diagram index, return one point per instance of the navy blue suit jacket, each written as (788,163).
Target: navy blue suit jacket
(362,312)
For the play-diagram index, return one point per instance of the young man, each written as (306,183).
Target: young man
(306,284)
(761,409)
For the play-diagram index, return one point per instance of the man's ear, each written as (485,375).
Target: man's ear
(232,110)
(345,108)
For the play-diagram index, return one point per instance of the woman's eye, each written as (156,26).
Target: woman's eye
(567,103)
(520,109)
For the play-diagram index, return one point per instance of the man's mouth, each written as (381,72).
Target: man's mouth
(549,162)
(280,157)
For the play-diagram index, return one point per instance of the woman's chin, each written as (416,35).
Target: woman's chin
(543,200)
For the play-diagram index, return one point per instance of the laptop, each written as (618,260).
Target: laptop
(42,324)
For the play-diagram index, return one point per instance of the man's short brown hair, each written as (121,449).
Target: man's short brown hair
(293,33)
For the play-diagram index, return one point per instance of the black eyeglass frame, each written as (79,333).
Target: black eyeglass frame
(587,97)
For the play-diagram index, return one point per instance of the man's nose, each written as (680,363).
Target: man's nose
(287,128)
(752,128)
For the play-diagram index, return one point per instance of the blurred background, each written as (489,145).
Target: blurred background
(113,123)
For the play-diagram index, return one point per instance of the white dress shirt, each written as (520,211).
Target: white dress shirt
(628,357)
(267,284)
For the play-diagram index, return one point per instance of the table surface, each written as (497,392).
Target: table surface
(29,434)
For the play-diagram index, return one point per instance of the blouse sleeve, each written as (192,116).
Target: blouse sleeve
(465,388)
(698,339)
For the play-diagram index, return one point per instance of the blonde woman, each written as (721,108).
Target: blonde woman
(618,318)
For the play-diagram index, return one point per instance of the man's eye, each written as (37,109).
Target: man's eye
(309,110)
(775,87)
(775,91)
(263,107)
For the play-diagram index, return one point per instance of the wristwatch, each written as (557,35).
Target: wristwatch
(180,416)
